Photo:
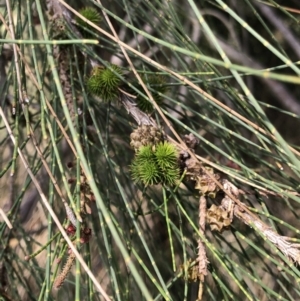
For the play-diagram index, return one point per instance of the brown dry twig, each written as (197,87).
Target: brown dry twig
(202,258)
(282,243)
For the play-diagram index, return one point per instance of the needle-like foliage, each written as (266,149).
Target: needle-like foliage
(151,154)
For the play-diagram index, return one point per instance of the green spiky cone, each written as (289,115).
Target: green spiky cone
(144,167)
(93,16)
(166,157)
(104,82)
(156,166)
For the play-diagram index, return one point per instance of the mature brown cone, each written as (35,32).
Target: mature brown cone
(145,135)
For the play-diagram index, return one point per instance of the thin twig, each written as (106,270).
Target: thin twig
(4,216)
(202,258)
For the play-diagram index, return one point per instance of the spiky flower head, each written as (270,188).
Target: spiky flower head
(159,165)
(166,156)
(144,167)
(90,14)
(104,82)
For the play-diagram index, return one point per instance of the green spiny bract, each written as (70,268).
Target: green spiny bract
(104,82)
(156,165)
(90,14)
(144,167)
(166,157)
